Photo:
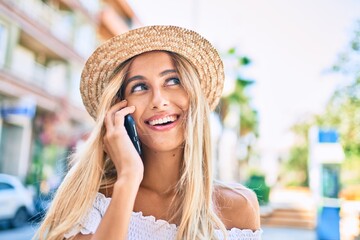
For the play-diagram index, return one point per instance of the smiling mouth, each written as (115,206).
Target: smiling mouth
(163,121)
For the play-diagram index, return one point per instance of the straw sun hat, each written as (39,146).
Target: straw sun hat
(196,49)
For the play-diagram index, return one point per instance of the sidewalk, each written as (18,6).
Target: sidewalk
(274,233)
(269,233)
(291,215)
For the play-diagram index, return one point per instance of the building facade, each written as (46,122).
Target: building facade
(43,47)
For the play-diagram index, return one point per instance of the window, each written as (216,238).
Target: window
(5,186)
(3,43)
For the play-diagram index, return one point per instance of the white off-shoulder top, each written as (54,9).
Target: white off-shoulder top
(147,227)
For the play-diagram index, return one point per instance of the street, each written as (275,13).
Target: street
(23,233)
(26,233)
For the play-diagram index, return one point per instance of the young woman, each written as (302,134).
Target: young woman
(168,79)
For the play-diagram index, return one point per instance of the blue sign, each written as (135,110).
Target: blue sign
(24,106)
(24,111)
(328,136)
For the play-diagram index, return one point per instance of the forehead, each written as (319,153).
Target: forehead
(152,60)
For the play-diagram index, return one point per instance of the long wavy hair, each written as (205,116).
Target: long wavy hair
(92,171)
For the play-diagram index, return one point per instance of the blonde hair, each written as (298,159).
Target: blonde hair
(194,203)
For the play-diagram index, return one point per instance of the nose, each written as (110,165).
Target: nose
(159,99)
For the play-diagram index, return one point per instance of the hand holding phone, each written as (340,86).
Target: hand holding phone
(131,130)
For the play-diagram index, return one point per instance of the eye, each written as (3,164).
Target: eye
(173,81)
(139,87)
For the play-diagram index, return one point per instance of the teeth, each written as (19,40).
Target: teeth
(162,120)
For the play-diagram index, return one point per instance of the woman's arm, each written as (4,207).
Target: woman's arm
(117,144)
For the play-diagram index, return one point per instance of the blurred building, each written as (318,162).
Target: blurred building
(43,47)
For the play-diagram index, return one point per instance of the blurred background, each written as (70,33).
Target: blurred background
(287,126)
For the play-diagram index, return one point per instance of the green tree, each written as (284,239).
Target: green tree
(342,113)
(237,106)
(248,117)
(343,110)
(294,169)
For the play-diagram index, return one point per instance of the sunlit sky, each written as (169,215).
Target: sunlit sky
(292,44)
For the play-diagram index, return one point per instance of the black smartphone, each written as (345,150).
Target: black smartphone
(131,130)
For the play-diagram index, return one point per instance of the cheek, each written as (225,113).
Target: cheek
(184,105)
(139,108)
(183,101)
(137,101)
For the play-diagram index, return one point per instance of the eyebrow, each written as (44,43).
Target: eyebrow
(163,73)
(140,77)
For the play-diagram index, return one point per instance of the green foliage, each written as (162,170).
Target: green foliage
(342,113)
(239,95)
(231,51)
(248,118)
(294,171)
(348,60)
(298,157)
(355,43)
(295,168)
(343,110)
(244,61)
(35,170)
(256,182)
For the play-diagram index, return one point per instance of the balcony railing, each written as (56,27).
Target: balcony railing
(58,23)
(50,29)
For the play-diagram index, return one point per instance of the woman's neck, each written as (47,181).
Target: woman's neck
(161,170)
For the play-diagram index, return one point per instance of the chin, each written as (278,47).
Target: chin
(164,146)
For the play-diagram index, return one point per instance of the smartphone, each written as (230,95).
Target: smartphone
(131,130)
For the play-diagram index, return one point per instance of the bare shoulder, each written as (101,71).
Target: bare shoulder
(237,206)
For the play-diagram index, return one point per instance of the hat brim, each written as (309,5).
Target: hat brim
(187,43)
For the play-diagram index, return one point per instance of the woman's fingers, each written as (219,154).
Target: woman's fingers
(116,142)
(114,123)
(120,115)
(109,118)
